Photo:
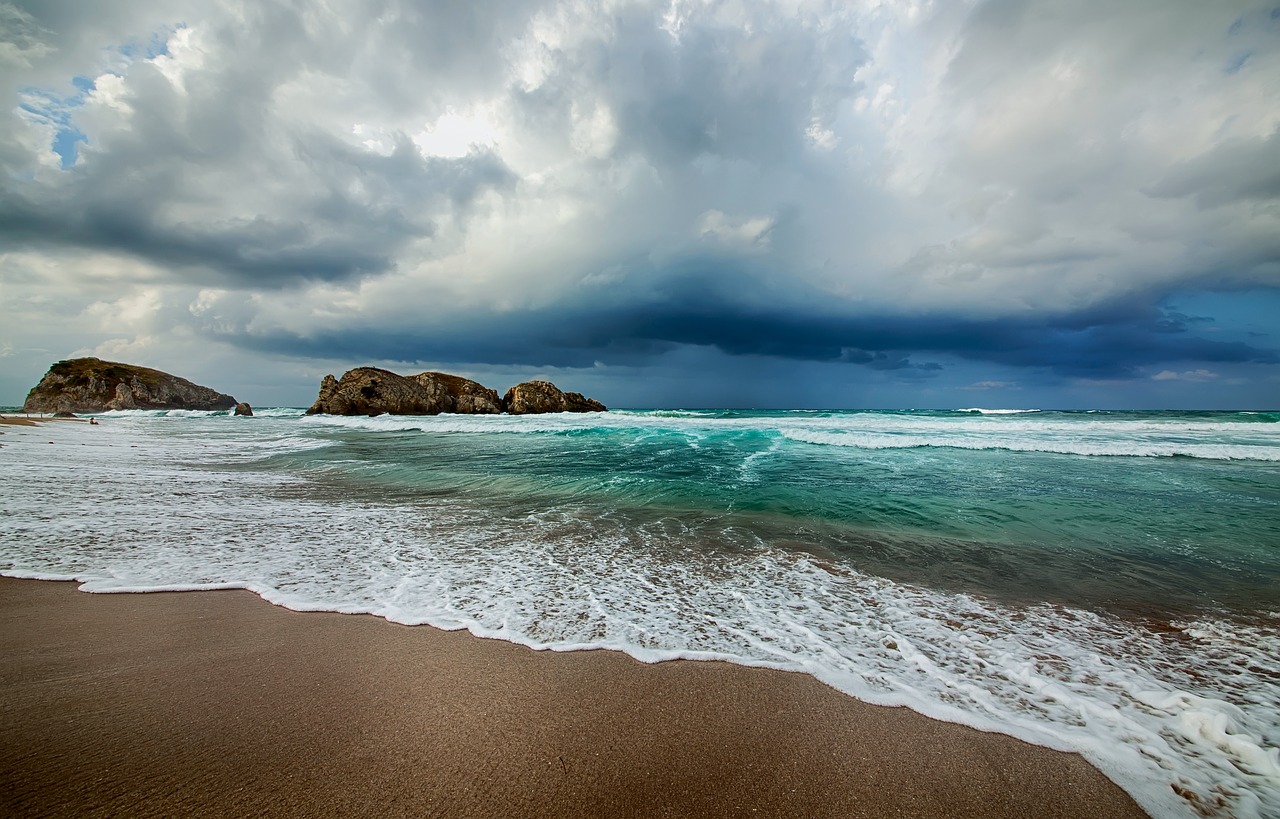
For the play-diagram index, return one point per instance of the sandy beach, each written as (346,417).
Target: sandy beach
(30,421)
(222,704)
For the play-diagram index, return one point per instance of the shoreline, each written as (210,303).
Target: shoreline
(27,420)
(220,702)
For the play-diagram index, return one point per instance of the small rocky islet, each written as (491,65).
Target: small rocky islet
(91,385)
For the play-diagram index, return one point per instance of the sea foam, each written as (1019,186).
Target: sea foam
(1065,445)
(1188,709)
(1113,438)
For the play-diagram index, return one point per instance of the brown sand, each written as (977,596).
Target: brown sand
(28,421)
(221,704)
(14,421)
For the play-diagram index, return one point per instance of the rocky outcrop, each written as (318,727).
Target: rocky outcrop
(543,396)
(89,385)
(458,394)
(372,391)
(243,408)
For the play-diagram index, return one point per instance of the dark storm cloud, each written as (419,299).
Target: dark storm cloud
(257,251)
(1116,342)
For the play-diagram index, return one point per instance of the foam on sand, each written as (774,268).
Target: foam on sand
(396,721)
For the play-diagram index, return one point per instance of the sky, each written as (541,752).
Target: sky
(685,203)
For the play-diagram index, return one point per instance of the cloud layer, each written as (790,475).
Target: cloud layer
(918,197)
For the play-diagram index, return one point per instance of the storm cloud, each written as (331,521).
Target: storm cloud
(1076,199)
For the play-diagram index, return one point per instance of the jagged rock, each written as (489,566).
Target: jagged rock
(243,408)
(461,394)
(123,398)
(328,389)
(90,385)
(64,414)
(542,396)
(577,402)
(373,391)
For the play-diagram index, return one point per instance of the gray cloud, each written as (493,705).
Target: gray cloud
(1020,184)
(126,206)
(1232,172)
(207,175)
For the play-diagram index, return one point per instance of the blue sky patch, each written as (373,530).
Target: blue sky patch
(49,109)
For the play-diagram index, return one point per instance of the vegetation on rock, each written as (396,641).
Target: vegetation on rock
(374,391)
(88,385)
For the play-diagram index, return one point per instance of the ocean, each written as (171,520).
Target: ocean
(1100,582)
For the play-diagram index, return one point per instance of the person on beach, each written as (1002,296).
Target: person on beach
(92,422)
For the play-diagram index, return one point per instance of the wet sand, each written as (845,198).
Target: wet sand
(33,421)
(218,703)
(19,421)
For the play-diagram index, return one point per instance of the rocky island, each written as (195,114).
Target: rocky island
(374,391)
(88,385)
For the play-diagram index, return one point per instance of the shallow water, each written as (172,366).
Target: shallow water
(1101,582)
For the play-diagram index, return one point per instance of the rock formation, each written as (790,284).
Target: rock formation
(466,395)
(372,391)
(89,385)
(243,408)
(543,396)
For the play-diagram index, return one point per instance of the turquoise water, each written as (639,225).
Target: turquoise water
(1105,582)
(1158,534)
